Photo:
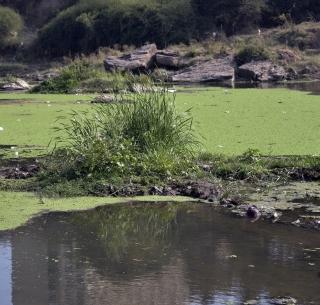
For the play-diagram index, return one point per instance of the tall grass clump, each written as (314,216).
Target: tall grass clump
(138,135)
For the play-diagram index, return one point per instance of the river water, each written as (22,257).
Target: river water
(313,87)
(159,253)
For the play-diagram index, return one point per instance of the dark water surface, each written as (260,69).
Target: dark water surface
(145,254)
(313,87)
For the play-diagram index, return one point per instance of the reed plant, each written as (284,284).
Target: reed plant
(138,134)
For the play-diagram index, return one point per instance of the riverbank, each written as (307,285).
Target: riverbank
(282,190)
(296,203)
(282,119)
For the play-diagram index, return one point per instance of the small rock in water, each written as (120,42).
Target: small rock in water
(253,212)
(232,256)
(283,301)
(251,302)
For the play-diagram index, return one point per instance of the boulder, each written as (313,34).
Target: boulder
(140,60)
(171,60)
(261,71)
(215,70)
(17,84)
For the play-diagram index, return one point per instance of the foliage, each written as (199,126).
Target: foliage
(145,136)
(72,27)
(10,26)
(80,76)
(253,166)
(87,26)
(37,12)
(251,52)
(69,78)
(231,16)
(300,38)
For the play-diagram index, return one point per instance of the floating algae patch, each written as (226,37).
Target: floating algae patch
(17,208)
(292,196)
(13,102)
(274,121)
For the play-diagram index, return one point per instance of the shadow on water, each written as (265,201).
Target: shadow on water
(156,254)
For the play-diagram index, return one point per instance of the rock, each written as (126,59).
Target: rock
(253,212)
(199,189)
(167,60)
(104,99)
(283,301)
(19,172)
(140,60)
(215,70)
(292,74)
(251,302)
(42,76)
(261,71)
(18,84)
(171,60)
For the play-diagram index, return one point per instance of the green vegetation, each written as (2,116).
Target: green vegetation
(88,25)
(69,27)
(10,27)
(142,137)
(143,140)
(17,208)
(254,167)
(253,52)
(82,76)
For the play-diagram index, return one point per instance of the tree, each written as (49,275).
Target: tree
(231,16)
(10,26)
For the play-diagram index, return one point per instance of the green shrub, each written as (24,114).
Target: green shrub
(295,38)
(251,53)
(145,137)
(10,26)
(69,78)
(82,76)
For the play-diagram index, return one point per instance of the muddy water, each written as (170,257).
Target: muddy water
(147,254)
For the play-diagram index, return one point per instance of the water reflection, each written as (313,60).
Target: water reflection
(5,272)
(158,254)
(313,87)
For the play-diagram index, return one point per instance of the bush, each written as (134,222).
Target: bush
(145,137)
(69,79)
(83,76)
(251,53)
(296,38)
(10,26)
